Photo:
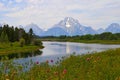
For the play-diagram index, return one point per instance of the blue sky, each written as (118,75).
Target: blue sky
(46,13)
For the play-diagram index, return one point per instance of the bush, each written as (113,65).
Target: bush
(22,42)
(37,42)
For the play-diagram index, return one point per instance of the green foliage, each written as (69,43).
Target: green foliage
(104,38)
(11,48)
(30,35)
(15,34)
(4,37)
(37,42)
(22,42)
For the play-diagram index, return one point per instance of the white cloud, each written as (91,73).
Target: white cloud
(1,6)
(46,13)
(18,1)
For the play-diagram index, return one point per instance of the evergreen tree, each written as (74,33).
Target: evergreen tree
(16,34)
(31,35)
(31,31)
(11,34)
(4,37)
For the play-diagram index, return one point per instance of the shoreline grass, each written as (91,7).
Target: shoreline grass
(98,41)
(11,48)
(84,41)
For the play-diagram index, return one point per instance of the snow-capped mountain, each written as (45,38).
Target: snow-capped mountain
(73,27)
(55,31)
(36,29)
(114,28)
(69,27)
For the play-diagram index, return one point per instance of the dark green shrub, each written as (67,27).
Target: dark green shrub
(37,42)
(22,42)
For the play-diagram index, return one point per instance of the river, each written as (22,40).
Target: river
(55,50)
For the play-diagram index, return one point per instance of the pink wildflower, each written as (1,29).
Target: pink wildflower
(51,61)
(64,71)
(88,59)
(37,62)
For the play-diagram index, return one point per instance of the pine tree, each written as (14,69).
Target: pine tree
(16,34)
(4,37)
(31,35)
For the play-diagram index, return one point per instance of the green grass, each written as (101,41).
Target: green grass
(96,66)
(10,48)
(97,41)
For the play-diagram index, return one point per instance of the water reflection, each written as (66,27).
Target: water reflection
(55,50)
(22,55)
(67,48)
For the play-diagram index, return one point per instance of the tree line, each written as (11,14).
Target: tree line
(13,34)
(102,36)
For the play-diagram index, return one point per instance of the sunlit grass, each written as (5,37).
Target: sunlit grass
(8,48)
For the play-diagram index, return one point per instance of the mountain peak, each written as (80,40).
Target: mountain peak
(68,22)
(114,25)
(114,28)
(32,25)
(36,29)
(71,20)
(73,27)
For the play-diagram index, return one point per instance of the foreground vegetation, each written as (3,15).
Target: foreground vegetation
(96,66)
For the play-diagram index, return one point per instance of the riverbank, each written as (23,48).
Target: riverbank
(11,48)
(97,41)
(96,66)
(83,41)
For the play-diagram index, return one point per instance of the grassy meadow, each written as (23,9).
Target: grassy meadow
(96,66)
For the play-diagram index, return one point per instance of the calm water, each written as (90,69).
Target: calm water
(53,50)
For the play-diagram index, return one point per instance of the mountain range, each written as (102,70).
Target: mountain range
(37,31)
(70,27)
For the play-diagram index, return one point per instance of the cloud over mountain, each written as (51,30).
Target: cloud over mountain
(45,13)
